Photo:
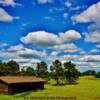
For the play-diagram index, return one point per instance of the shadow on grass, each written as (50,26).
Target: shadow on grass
(63,84)
(76,83)
(27,93)
(23,94)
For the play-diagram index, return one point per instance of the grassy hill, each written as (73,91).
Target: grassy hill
(88,88)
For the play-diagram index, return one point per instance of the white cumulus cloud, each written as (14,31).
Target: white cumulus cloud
(4,16)
(70,47)
(46,39)
(93,37)
(70,36)
(9,2)
(44,1)
(41,38)
(91,14)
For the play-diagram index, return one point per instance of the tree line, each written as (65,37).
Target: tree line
(58,71)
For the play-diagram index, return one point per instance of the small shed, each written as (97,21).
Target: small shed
(18,84)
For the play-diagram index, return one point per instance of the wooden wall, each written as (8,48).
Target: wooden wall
(3,88)
(20,87)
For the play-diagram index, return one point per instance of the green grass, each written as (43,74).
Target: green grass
(88,88)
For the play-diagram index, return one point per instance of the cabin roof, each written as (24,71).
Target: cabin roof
(20,79)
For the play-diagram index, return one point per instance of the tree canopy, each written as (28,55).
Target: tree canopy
(57,70)
(41,69)
(10,68)
(71,72)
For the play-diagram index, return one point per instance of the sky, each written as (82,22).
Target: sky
(44,30)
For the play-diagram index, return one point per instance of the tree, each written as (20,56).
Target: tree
(4,69)
(41,69)
(97,75)
(89,72)
(1,68)
(23,71)
(57,70)
(30,71)
(13,67)
(71,72)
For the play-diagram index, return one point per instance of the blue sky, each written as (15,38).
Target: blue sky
(35,30)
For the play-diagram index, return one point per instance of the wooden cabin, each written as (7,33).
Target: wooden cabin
(18,84)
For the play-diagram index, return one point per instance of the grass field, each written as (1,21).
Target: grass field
(88,88)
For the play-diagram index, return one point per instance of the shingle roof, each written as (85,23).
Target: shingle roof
(20,79)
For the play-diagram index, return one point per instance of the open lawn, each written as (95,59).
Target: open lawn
(88,88)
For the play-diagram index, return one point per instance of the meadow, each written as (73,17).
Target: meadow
(88,88)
